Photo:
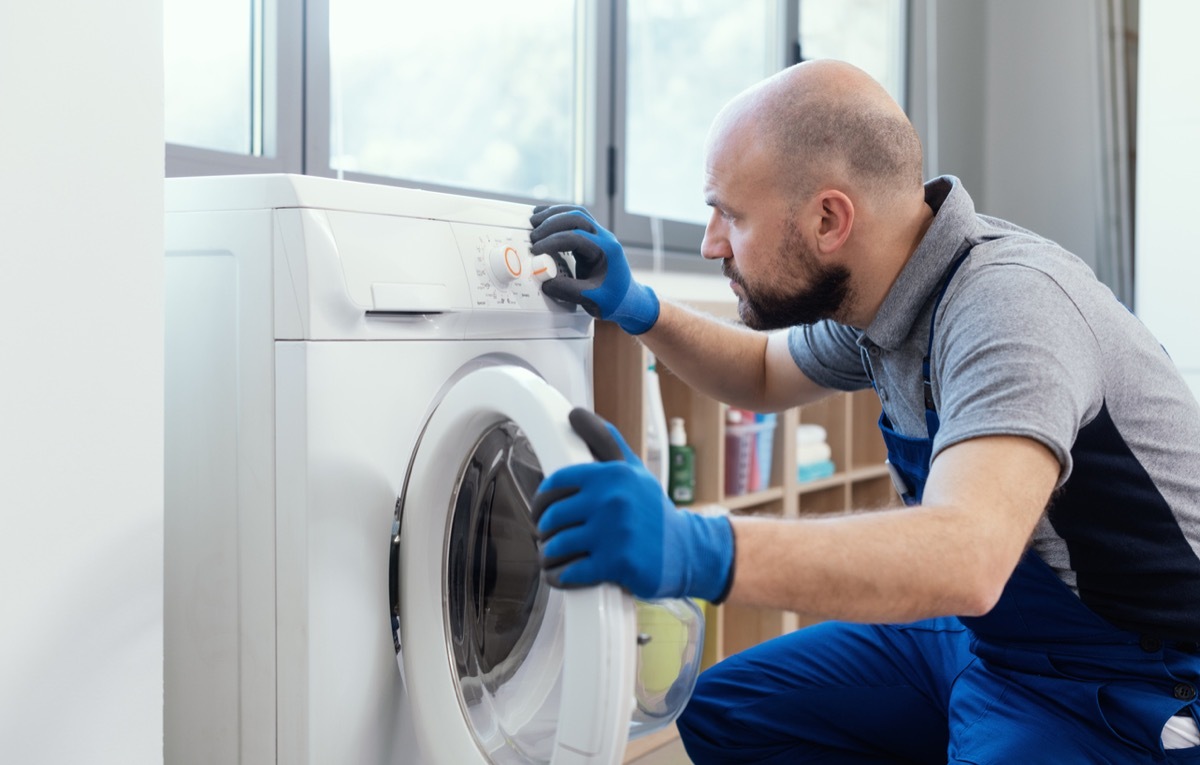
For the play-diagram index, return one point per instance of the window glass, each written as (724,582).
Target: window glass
(686,59)
(867,33)
(469,93)
(208,54)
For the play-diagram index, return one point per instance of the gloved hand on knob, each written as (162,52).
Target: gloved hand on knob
(609,521)
(602,283)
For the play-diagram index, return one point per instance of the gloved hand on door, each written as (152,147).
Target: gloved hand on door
(602,284)
(609,521)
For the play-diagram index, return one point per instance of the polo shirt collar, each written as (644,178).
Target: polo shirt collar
(953,224)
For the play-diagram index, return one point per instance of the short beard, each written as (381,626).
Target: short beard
(824,298)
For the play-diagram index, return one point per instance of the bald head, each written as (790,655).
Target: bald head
(827,123)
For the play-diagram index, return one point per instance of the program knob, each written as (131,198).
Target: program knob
(543,267)
(506,264)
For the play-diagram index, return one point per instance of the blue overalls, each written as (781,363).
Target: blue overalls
(1039,680)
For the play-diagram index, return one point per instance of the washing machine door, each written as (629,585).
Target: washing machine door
(500,667)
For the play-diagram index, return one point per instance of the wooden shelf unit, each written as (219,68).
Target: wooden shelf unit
(860,480)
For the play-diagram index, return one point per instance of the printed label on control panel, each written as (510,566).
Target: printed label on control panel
(500,268)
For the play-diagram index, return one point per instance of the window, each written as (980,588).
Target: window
(605,103)
(685,60)
(877,44)
(470,93)
(234,74)
(212,58)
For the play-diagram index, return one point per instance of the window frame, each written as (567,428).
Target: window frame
(594,47)
(282,29)
(632,229)
(296,118)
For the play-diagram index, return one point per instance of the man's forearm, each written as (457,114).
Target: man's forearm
(884,566)
(725,361)
(952,555)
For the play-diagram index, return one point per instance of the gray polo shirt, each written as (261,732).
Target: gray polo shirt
(1028,342)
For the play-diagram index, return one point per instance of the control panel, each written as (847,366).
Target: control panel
(501,270)
(508,264)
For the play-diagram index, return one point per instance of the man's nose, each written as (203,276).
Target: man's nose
(715,245)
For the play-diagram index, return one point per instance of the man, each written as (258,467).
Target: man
(1039,601)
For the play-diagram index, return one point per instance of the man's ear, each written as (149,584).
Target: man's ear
(836,220)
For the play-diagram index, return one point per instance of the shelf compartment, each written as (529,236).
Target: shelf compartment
(749,502)
(867,446)
(820,484)
(743,627)
(830,413)
(702,420)
(831,499)
(871,493)
(619,388)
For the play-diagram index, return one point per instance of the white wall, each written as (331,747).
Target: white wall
(1042,149)
(1012,106)
(1016,97)
(947,93)
(1168,253)
(81,525)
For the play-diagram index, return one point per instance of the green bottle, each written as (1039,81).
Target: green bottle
(681,483)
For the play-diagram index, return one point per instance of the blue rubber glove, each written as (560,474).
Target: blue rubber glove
(602,283)
(610,521)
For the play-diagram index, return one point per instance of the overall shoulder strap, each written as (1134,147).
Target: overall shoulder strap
(931,417)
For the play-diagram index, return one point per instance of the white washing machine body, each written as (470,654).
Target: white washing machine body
(363,382)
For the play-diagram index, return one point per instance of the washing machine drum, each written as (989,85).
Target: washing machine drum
(500,667)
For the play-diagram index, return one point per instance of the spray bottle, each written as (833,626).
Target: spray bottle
(656,427)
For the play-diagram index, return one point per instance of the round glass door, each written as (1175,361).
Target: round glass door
(502,668)
(496,599)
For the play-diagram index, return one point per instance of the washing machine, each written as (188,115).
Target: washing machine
(364,387)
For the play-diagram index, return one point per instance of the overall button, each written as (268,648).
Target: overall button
(1185,691)
(1150,644)
(874,351)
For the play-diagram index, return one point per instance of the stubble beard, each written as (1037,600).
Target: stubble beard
(766,308)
